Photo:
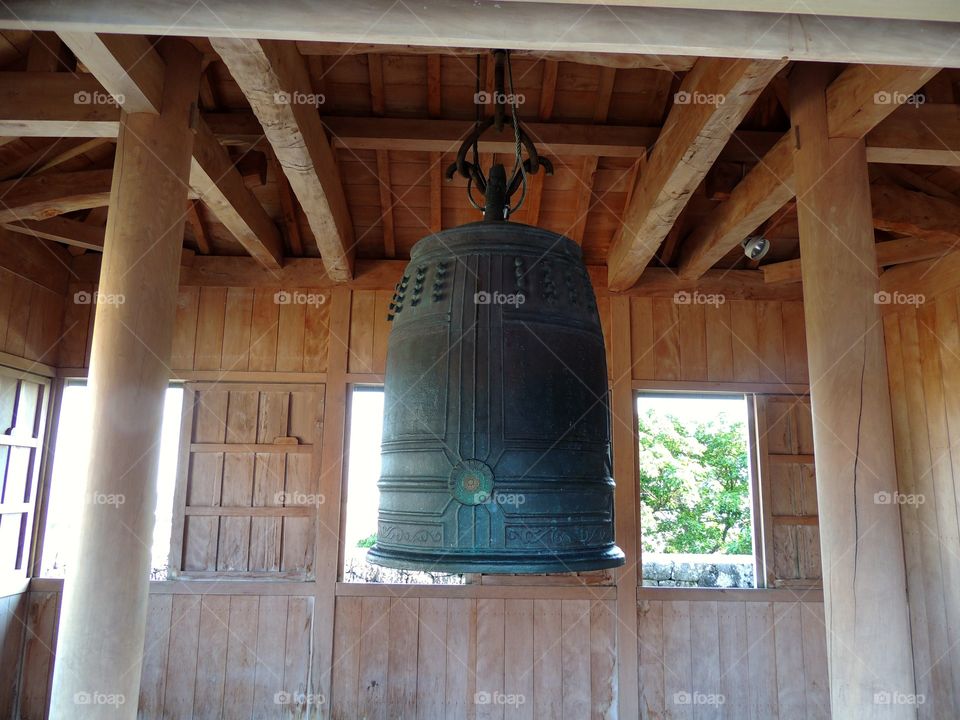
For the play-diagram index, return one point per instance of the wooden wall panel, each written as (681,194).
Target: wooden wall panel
(732,659)
(216,329)
(483,658)
(923,346)
(12,629)
(745,341)
(244,491)
(31,318)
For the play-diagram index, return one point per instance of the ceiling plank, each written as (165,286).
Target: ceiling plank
(769,185)
(718,93)
(133,72)
(265,71)
(45,196)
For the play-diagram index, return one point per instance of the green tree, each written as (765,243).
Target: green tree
(694,486)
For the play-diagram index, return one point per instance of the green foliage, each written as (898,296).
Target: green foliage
(367,542)
(694,486)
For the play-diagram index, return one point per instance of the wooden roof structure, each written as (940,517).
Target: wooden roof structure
(685,187)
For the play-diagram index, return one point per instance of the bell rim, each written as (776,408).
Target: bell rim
(602,558)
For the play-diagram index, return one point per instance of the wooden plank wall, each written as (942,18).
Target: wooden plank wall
(923,358)
(742,341)
(764,659)
(475,651)
(206,656)
(227,329)
(30,318)
(410,657)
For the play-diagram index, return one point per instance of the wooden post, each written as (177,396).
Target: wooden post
(101,635)
(868,633)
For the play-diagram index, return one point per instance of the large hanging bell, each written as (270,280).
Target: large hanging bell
(496,436)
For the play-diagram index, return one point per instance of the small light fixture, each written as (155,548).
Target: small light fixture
(755,247)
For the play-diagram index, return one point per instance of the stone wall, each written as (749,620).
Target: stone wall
(713,571)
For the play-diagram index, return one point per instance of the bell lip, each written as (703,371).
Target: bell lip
(474,232)
(609,556)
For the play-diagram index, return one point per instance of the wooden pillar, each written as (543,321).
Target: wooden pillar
(101,633)
(867,623)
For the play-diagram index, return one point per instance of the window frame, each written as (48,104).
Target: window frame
(761,479)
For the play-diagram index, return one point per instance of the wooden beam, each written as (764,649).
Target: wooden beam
(34,104)
(894,9)
(44,196)
(622,61)
(196,225)
(862,97)
(386,203)
(769,185)
(133,72)
(289,209)
(62,230)
(378,102)
(864,579)
(50,156)
(126,65)
(234,271)
(889,252)
(925,134)
(584,197)
(221,188)
(629,30)
(267,71)
(712,100)
(914,213)
(434,86)
(436,192)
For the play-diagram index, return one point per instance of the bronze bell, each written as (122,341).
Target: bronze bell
(496,437)
(496,433)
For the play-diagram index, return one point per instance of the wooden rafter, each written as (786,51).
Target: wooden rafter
(852,107)
(914,213)
(133,71)
(221,188)
(266,71)
(436,192)
(196,225)
(585,177)
(43,106)
(548,89)
(889,252)
(386,203)
(45,196)
(62,230)
(50,156)
(719,94)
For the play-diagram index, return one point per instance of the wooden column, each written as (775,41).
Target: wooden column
(868,633)
(101,634)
